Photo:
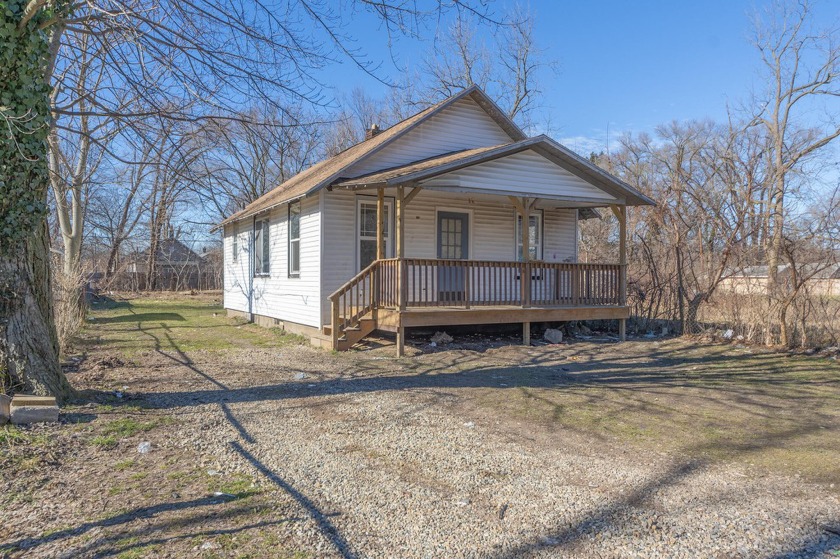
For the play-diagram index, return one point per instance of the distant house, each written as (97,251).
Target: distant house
(752,280)
(177,267)
(452,216)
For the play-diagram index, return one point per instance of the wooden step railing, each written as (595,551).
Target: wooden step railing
(421,282)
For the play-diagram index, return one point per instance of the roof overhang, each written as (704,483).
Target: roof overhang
(415,173)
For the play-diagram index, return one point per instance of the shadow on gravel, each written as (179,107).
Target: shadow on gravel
(611,515)
(329,531)
(825,544)
(121,519)
(723,378)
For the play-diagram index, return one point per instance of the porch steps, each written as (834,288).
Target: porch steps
(355,334)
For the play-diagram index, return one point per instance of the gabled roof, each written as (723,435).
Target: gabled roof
(173,251)
(170,251)
(543,145)
(324,173)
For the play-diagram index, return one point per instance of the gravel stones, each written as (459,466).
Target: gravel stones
(374,458)
(384,467)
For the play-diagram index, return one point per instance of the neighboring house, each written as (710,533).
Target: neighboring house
(422,225)
(177,267)
(822,279)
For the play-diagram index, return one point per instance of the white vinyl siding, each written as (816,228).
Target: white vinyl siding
(237,273)
(541,176)
(463,125)
(492,234)
(278,296)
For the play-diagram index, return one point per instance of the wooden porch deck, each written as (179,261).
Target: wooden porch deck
(389,320)
(394,294)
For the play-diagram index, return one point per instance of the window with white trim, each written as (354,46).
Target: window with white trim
(535,234)
(294,239)
(235,242)
(262,248)
(366,220)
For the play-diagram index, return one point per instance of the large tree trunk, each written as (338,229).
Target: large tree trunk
(28,341)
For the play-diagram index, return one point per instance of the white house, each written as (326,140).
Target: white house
(422,224)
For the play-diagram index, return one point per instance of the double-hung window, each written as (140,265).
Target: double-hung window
(262,248)
(235,243)
(367,213)
(534,236)
(294,239)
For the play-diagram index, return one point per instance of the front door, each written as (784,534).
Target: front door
(453,244)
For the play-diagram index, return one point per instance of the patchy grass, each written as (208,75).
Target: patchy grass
(766,410)
(104,441)
(127,427)
(124,465)
(12,436)
(240,486)
(174,324)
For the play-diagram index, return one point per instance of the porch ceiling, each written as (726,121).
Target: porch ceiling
(447,172)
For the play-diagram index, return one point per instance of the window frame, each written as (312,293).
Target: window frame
(362,199)
(292,272)
(235,245)
(262,247)
(517,244)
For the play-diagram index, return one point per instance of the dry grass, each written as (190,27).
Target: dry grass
(68,306)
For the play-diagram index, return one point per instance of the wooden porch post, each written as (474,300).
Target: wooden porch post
(401,276)
(380,224)
(621,213)
(526,267)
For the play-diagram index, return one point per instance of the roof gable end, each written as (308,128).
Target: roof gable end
(327,171)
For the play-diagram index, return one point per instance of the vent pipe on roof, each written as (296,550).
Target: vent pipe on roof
(372,131)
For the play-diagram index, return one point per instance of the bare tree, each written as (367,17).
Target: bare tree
(359,112)
(705,176)
(182,61)
(115,209)
(802,66)
(811,246)
(509,69)
(246,157)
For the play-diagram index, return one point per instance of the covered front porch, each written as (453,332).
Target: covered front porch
(403,291)
(392,294)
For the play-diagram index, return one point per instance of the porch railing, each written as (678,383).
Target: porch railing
(476,283)
(420,282)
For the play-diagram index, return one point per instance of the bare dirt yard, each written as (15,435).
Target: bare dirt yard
(261,446)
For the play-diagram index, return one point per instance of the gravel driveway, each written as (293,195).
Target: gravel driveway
(387,458)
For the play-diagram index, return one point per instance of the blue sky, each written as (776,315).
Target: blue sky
(623,65)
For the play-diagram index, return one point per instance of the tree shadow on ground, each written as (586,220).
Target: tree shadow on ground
(141,317)
(749,382)
(321,519)
(608,517)
(149,512)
